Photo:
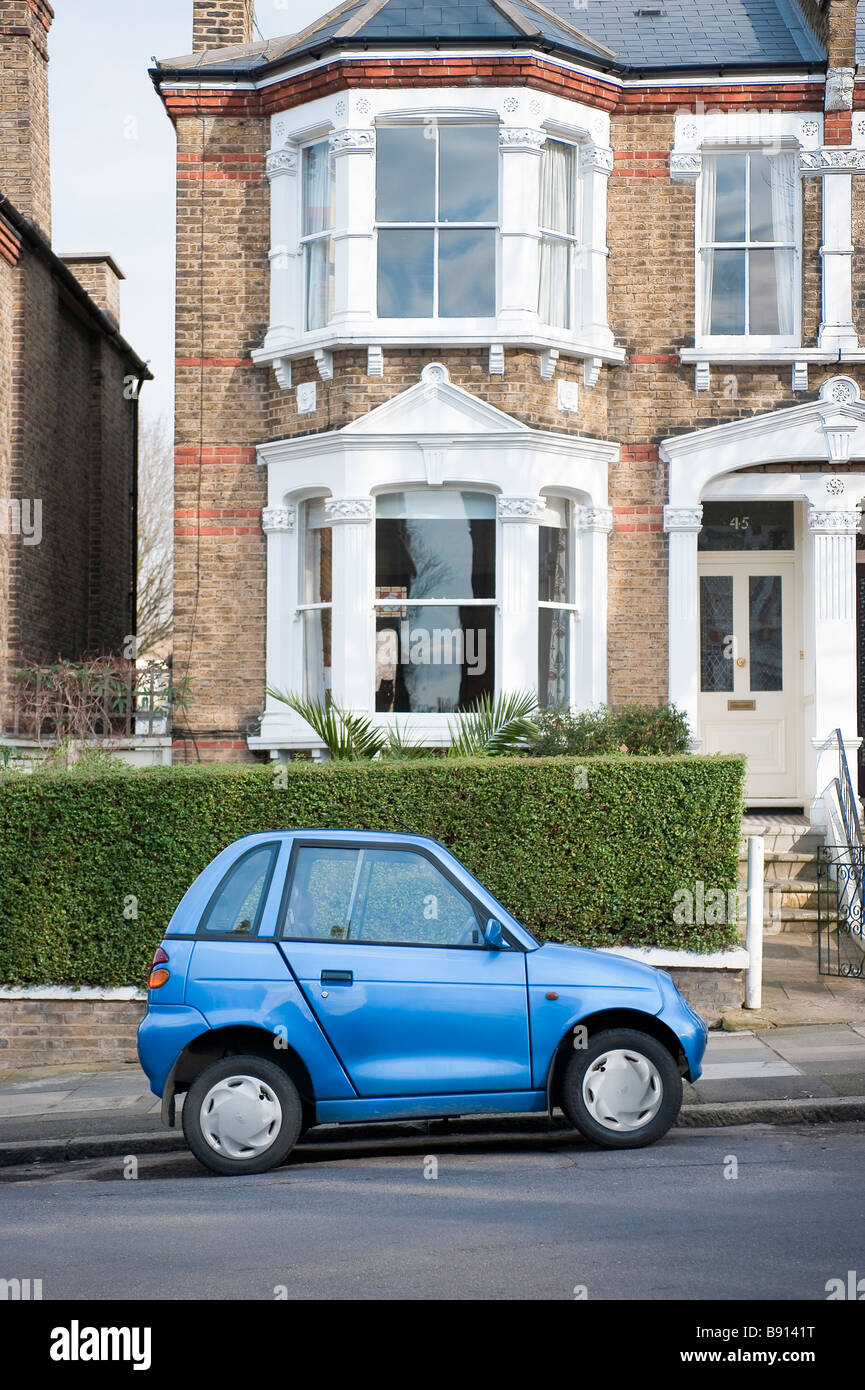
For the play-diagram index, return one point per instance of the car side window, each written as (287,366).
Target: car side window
(377,896)
(237,904)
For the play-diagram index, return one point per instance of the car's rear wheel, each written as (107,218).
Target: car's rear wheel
(623,1090)
(242,1115)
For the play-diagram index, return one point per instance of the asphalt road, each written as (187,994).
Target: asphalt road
(534,1220)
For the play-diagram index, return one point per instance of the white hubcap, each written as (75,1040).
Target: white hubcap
(240,1117)
(622,1090)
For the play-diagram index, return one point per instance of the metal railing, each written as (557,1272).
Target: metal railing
(47,705)
(841,884)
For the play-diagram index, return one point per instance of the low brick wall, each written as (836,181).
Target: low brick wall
(712,993)
(62,1032)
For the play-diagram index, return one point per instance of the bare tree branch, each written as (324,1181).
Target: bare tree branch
(155,537)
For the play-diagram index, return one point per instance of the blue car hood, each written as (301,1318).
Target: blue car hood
(556,964)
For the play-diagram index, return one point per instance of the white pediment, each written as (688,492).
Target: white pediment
(436,406)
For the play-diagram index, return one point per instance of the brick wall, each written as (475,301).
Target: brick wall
(63,1032)
(24,135)
(218,23)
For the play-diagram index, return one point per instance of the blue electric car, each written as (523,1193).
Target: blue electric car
(313,977)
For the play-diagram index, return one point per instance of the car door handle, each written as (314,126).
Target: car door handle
(337,977)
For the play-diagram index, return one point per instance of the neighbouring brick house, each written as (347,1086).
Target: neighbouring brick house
(68,399)
(518,346)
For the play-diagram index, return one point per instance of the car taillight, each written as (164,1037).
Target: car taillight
(157,976)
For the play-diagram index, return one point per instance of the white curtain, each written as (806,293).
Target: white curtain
(557,215)
(709,182)
(558,657)
(784,184)
(317,217)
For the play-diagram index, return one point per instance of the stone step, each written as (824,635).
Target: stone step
(786,842)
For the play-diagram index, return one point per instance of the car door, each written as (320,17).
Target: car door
(389,952)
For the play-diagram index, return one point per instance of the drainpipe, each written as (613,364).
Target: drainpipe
(754,940)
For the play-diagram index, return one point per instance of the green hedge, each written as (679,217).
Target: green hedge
(597,863)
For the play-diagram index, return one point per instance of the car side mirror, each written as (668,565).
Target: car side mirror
(493,935)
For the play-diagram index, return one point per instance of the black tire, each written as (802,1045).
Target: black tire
(666,1080)
(288,1126)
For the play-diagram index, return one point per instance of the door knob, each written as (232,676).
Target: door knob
(740,661)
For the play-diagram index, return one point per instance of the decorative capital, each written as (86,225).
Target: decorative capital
(526,138)
(276,520)
(683,518)
(832,159)
(340,510)
(281,162)
(834,521)
(839,89)
(529,509)
(353,141)
(594,519)
(686,165)
(596,159)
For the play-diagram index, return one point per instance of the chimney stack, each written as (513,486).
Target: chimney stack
(25,172)
(100,275)
(221,23)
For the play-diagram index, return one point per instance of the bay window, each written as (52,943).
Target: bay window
(559,226)
(556,607)
(435,600)
(437,213)
(319,206)
(316,605)
(748,245)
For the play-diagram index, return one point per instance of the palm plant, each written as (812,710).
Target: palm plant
(346,736)
(494,730)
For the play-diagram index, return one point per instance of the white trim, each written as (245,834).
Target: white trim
(736,958)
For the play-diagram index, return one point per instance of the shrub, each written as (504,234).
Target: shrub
(658,729)
(92,866)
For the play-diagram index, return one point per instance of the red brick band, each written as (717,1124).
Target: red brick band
(10,244)
(188,455)
(213,362)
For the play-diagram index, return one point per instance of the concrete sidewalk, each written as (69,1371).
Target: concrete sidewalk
(780,1075)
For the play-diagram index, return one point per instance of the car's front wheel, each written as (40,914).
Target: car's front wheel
(242,1115)
(623,1090)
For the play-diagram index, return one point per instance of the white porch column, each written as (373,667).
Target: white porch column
(353,615)
(833,534)
(520,519)
(521,150)
(596,166)
(594,525)
(284,639)
(285,310)
(354,238)
(682,525)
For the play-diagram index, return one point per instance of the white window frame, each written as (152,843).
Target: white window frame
(437,226)
(753,342)
(572,608)
(306,239)
(576,241)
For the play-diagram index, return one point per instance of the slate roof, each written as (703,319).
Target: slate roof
(624,35)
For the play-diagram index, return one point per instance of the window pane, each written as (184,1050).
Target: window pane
(468,174)
(764,631)
(319,189)
(317,643)
(774,186)
(437,558)
(467,274)
(405,174)
(771,292)
(405,275)
(747,526)
(407,899)
(433,660)
(237,905)
(554,565)
(716,631)
(554,300)
(554,656)
(729,173)
(323,890)
(725,290)
(319,282)
(559,188)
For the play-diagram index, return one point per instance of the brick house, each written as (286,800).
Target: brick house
(68,398)
(518,347)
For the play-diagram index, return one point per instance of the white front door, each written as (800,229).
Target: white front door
(749,670)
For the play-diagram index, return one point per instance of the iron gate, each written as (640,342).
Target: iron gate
(840,941)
